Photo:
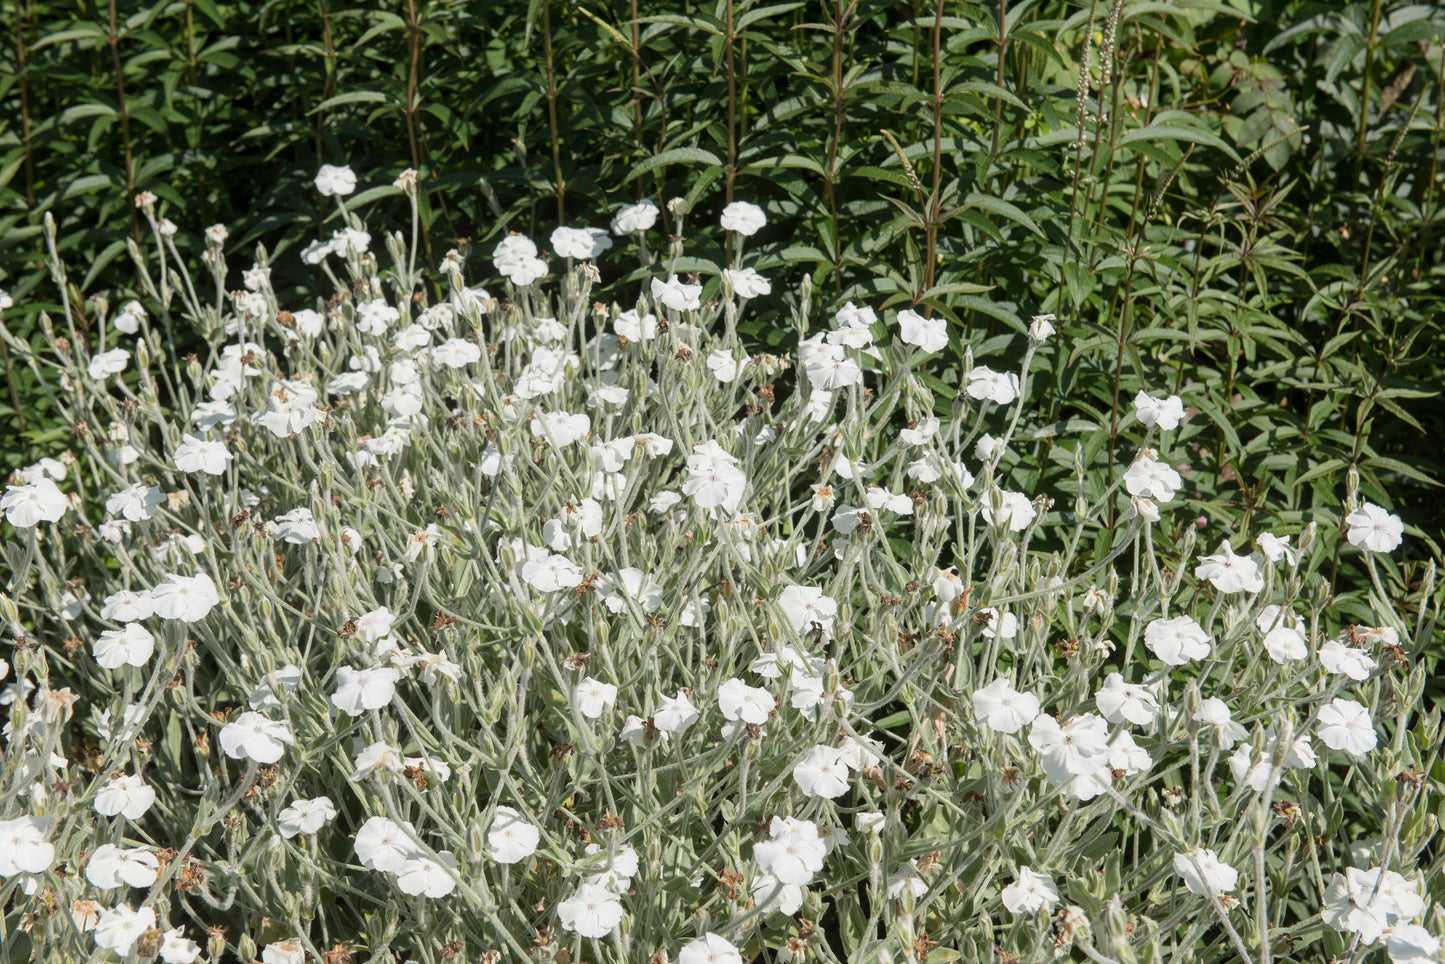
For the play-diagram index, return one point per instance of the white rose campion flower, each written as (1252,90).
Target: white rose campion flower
(1230,573)
(456,353)
(177,948)
(593,696)
(1151,479)
(724,366)
(747,283)
(739,701)
(713,479)
(284,952)
(107,363)
(771,894)
(511,839)
(1030,892)
(201,455)
(709,949)
(1003,709)
(421,876)
(1346,725)
(561,428)
(793,853)
(23,847)
(822,773)
(132,645)
(1177,641)
(137,502)
(1125,702)
(1166,414)
(592,910)
(1076,748)
(27,505)
(744,218)
(635,327)
(1214,712)
(632,218)
(1374,529)
(333,181)
(188,599)
(675,714)
(1016,510)
(120,927)
(366,689)
(110,866)
(985,384)
(290,409)
(1338,658)
(1285,643)
(676,295)
(828,369)
(808,610)
(305,816)
(572,243)
(253,737)
(1204,874)
(929,334)
(385,845)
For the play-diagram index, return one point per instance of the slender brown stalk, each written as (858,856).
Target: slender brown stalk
(930,215)
(326,85)
(561,186)
(21,21)
(114,43)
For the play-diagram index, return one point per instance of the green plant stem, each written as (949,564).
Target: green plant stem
(560,186)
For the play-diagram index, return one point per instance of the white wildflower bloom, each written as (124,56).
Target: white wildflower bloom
(126,796)
(632,218)
(120,927)
(27,505)
(593,910)
(822,773)
(747,283)
(421,876)
(186,598)
(511,839)
(366,689)
(675,714)
(985,384)
(129,646)
(290,409)
(808,610)
(771,894)
(1016,511)
(928,334)
(332,180)
(1204,873)
(1230,573)
(106,363)
(1076,748)
(1338,658)
(110,866)
(384,845)
(1030,892)
(1166,413)
(561,428)
(1276,548)
(201,455)
(1152,479)
(253,737)
(1346,725)
(136,502)
(743,217)
(1214,712)
(1177,641)
(305,816)
(1374,529)
(739,701)
(634,326)
(1122,702)
(23,847)
(593,696)
(676,295)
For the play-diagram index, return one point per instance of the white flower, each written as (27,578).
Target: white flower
(1120,701)
(709,949)
(335,181)
(177,948)
(808,610)
(1030,892)
(132,646)
(284,952)
(739,701)
(593,910)
(1374,529)
(1176,641)
(770,893)
(676,295)
(367,689)
(127,796)
(997,387)
(120,927)
(23,847)
(551,573)
(1215,712)
(305,816)
(1039,327)
(1346,725)
(1003,709)
(675,714)
(620,867)
(573,242)
(929,334)
(747,283)
(1230,573)
(1204,874)
(290,409)
(136,502)
(744,218)
(1152,411)
(377,758)
(593,696)
(511,839)
(26,505)
(1285,643)
(1015,510)
(561,428)
(385,845)
(253,737)
(110,866)
(997,625)
(794,852)
(822,773)
(188,599)
(631,218)
(425,877)
(111,362)
(1077,748)
(456,353)
(1276,547)
(633,327)
(1152,479)
(1338,658)
(724,366)
(199,455)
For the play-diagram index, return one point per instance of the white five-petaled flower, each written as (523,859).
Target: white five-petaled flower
(592,910)
(385,845)
(1165,413)
(253,737)
(202,455)
(1203,872)
(750,704)
(1230,573)
(1374,529)
(131,645)
(593,696)
(359,690)
(336,181)
(511,838)
(985,384)
(1003,709)
(1030,892)
(929,334)
(676,295)
(631,218)
(744,218)
(1176,641)
(1346,725)
(709,949)
(26,505)
(305,816)
(822,773)
(188,599)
